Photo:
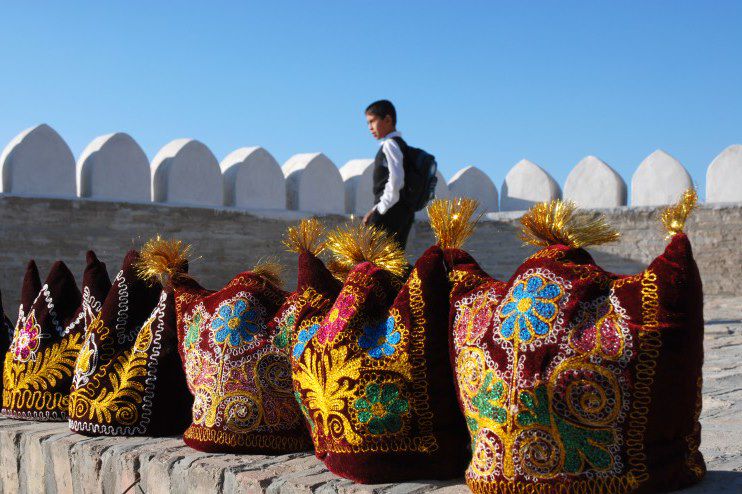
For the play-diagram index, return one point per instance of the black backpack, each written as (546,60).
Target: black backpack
(419,178)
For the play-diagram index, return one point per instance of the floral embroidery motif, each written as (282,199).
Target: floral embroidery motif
(192,335)
(474,316)
(598,330)
(380,339)
(87,361)
(530,309)
(26,341)
(235,323)
(381,408)
(242,392)
(285,327)
(303,339)
(550,410)
(584,448)
(350,406)
(338,317)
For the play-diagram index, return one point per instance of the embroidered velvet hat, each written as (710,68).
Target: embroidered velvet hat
(48,336)
(370,359)
(6,334)
(574,379)
(235,366)
(128,377)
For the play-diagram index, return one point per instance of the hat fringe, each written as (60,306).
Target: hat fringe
(453,221)
(354,244)
(674,217)
(270,270)
(305,237)
(560,222)
(163,260)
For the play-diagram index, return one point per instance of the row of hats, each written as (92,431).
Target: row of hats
(565,378)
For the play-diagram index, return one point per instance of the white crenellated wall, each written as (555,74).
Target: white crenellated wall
(314,184)
(113,167)
(38,162)
(253,179)
(473,182)
(185,171)
(358,181)
(724,176)
(525,185)
(592,183)
(659,180)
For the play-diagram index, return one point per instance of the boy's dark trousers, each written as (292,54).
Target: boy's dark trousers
(397,221)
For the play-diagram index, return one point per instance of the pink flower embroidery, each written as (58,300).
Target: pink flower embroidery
(474,319)
(27,339)
(201,372)
(599,332)
(339,315)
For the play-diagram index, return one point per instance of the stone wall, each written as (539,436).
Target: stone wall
(228,241)
(46,457)
(184,171)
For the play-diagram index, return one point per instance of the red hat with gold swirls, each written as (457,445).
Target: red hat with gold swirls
(574,379)
(370,358)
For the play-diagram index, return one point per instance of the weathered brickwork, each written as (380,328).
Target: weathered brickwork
(229,241)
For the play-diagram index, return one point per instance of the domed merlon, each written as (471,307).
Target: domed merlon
(253,179)
(113,166)
(473,182)
(358,180)
(38,162)
(186,172)
(594,184)
(659,180)
(525,185)
(724,176)
(313,184)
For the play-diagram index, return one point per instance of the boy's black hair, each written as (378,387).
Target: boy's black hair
(382,108)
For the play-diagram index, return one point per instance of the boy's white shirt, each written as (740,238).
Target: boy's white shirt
(395,182)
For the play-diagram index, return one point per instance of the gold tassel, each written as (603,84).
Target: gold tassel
(305,237)
(674,217)
(354,244)
(163,260)
(339,270)
(270,270)
(451,220)
(559,222)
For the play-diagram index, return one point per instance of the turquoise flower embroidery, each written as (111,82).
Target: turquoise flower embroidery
(530,309)
(235,323)
(381,339)
(305,335)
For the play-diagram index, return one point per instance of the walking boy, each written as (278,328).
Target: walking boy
(390,212)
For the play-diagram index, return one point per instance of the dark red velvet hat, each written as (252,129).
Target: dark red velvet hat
(236,367)
(48,336)
(6,334)
(370,361)
(574,379)
(128,376)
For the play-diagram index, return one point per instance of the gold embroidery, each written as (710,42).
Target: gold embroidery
(340,382)
(119,400)
(649,349)
(29,385)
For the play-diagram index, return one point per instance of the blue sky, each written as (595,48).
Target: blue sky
(475,83)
